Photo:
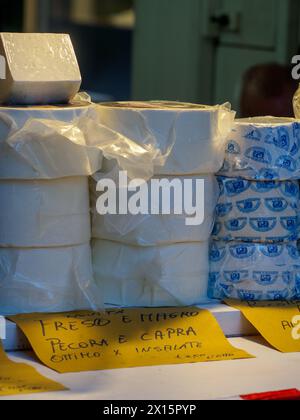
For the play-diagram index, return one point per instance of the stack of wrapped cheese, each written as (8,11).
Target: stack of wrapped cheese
(158,259)
(45,259)
(254,254)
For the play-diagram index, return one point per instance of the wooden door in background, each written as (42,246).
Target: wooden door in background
(198,50)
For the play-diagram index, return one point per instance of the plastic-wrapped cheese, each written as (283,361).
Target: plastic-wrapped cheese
(263,149)
(159,229)
(47,280)
(46,142)
(257,211)
(44,213)
(40,69)
(174,275)
(250,271)
(191,136)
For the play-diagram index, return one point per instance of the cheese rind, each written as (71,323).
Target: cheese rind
(40,69)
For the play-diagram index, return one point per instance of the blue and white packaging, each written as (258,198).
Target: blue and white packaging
(257,211)
(247,272)
(263,148)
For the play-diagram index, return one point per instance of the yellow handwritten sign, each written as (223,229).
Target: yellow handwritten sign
(84,341)
(277,322)
(17,378)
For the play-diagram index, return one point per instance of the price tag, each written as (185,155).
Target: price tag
(85,341)
(17,379)
(277,322)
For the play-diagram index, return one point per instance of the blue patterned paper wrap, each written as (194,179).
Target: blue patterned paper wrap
(245,271)
(264,148)
(257,211)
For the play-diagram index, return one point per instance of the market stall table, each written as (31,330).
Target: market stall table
(270,371)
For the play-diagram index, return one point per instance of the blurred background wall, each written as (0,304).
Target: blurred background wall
(188,50)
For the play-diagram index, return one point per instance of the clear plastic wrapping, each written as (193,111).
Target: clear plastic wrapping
(143,139)
(249,271)
(263,148)
(257,211)
(53,145)
(41,213)
(46,142)
(190,137)
(157,230)
(175,275)
(47,280)
(56,144)
(184,140)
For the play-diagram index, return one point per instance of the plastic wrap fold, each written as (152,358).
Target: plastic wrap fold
(190,137)
(263,148)
(47,280)
(175,275)
(46,142)
(246,271)
(64,141)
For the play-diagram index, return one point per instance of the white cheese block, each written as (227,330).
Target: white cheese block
(190,137)
(35,142)
(44,213)
(40,69)
(160,229)
(46,280)
(175,275)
